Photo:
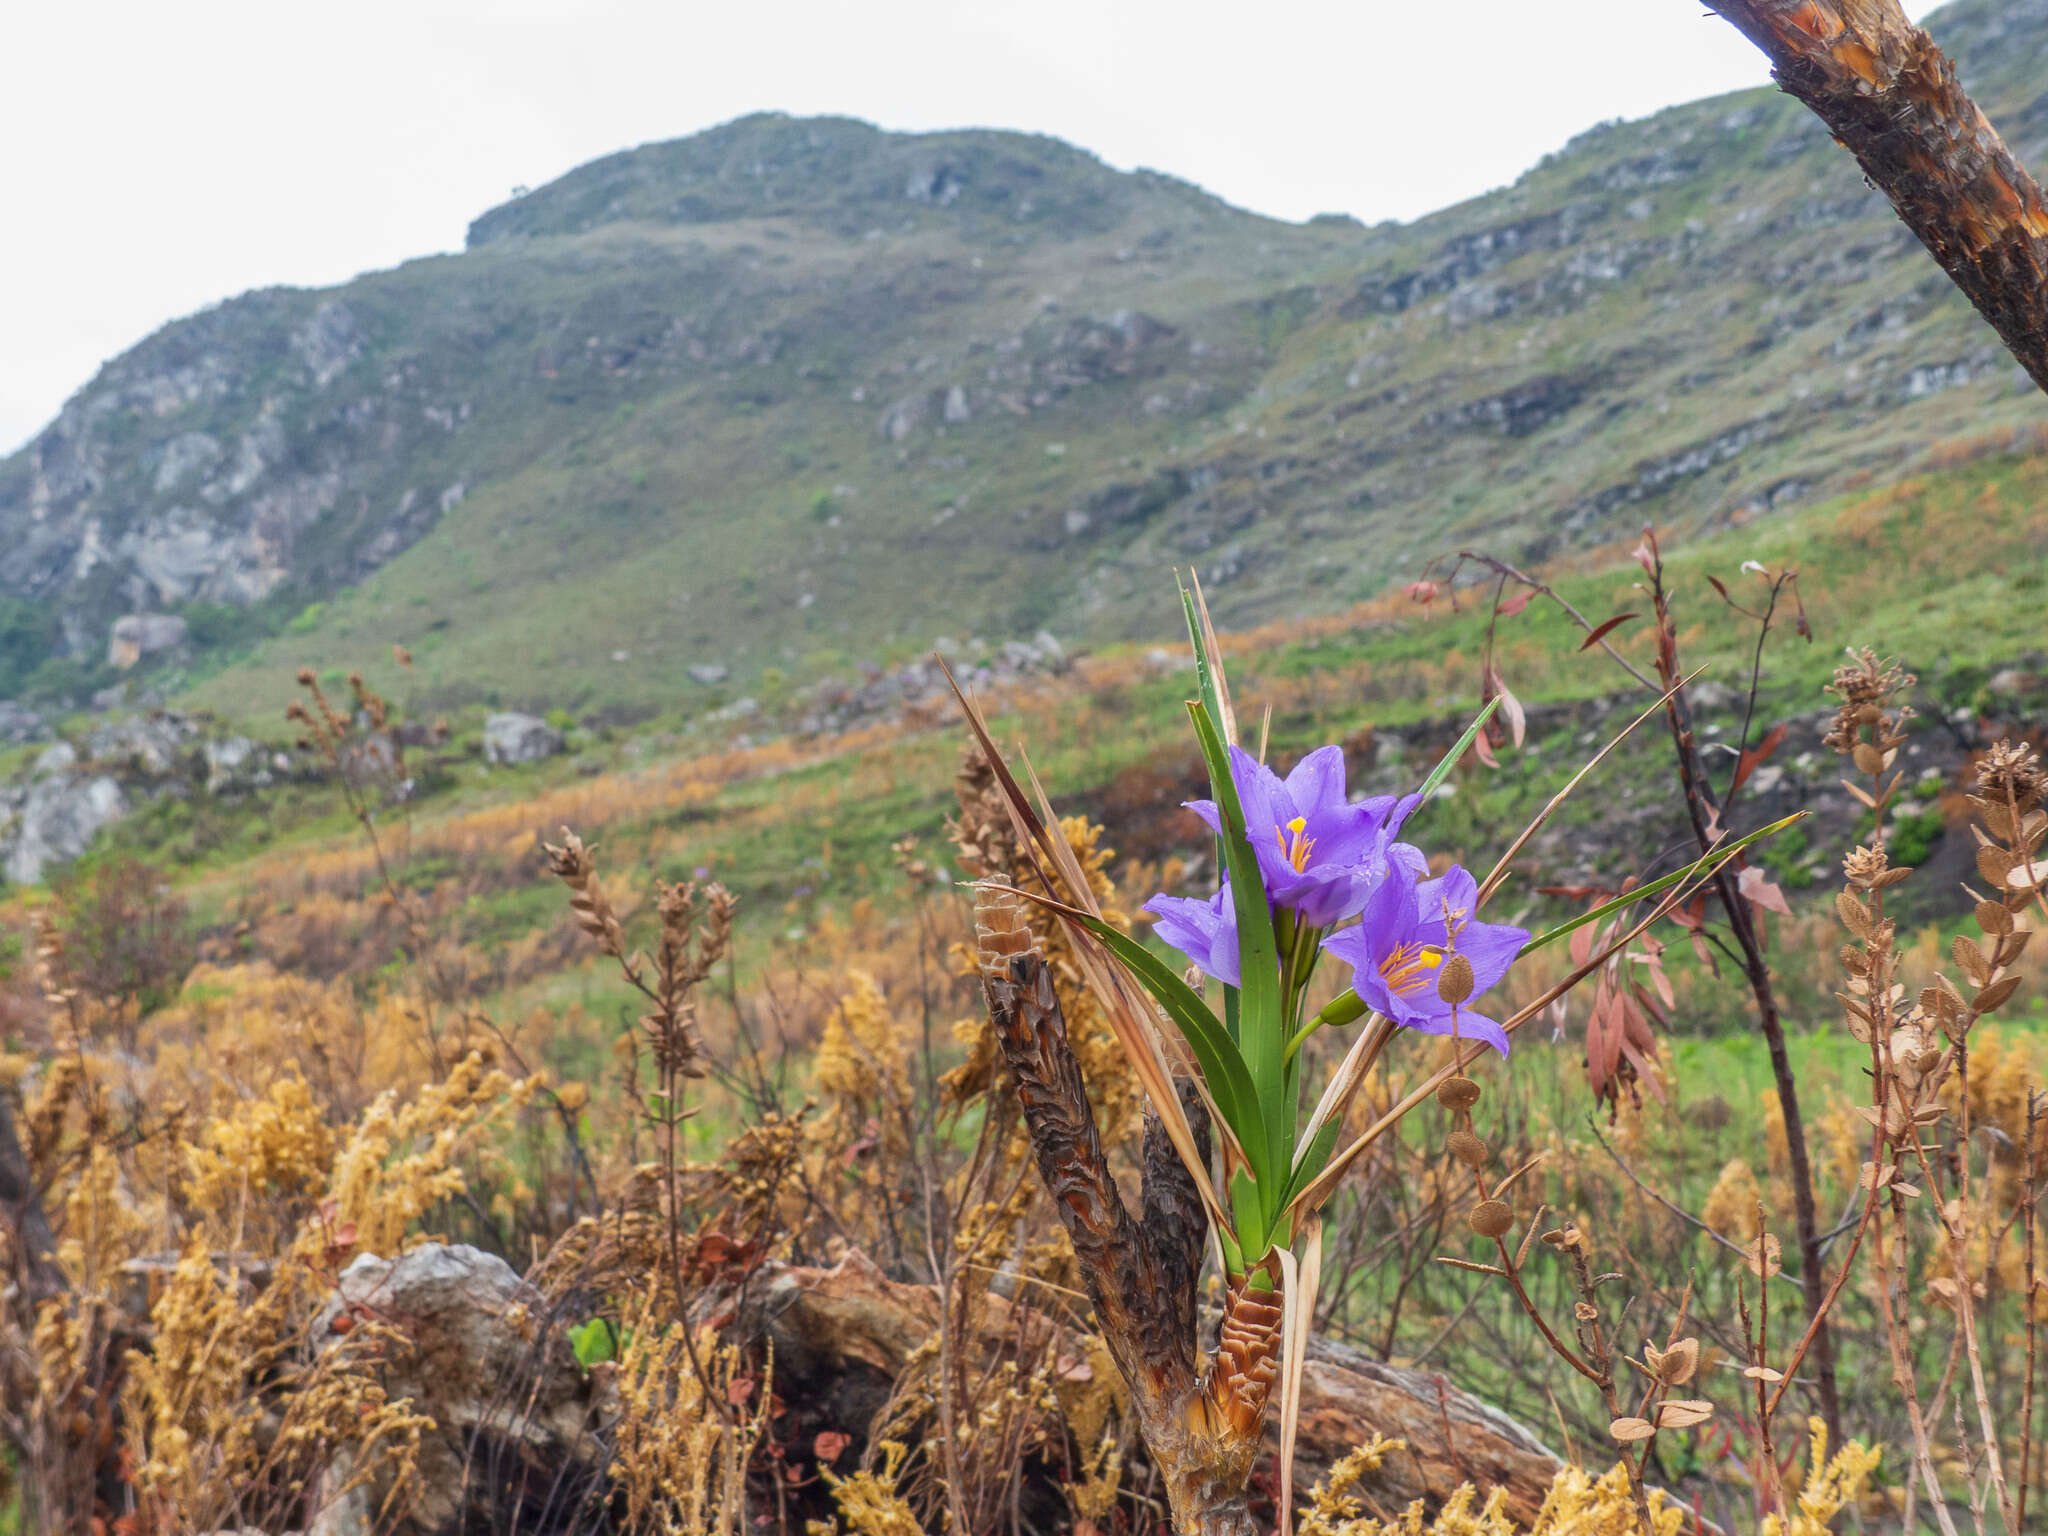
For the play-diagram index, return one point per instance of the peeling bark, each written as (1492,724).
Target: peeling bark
(1893,99)
(1202,1427)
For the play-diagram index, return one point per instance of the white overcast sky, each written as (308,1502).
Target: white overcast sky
(156,158)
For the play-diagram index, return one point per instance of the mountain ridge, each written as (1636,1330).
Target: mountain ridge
(796,392)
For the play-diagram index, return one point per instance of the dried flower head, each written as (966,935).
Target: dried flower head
(1868,690)
(572,863)
(2012,771)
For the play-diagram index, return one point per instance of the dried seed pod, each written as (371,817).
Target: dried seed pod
(1586,1312)
(1868,758)
(1458,1093)
(1674,1366)
(1993,917)
(1683,1413)
(1454,981)
(1995,995)
(1467,1149)
(1765,1256)
(1491,1218)
(1855,916)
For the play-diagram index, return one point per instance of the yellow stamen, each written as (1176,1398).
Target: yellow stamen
(1294,848)
(1408,967)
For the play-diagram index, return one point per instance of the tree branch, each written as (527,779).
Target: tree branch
(1892,97)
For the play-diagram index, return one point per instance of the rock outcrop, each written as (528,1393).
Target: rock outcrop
(52,813)
(511,738)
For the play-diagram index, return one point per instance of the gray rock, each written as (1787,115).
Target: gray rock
(58,757)
(136,635)
(19,723)
(515,738)
(1711,698)
(234,763)
(499,1381)
(58,821)
(709,673)
(147,746)
(2012,682)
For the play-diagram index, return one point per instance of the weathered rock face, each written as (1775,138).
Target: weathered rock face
(515,738)
(514,1446)
(136,635)
(56,815)
(51,814)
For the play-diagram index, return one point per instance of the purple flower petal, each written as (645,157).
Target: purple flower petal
(1204,931)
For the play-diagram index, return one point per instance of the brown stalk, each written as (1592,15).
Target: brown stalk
(1705,814)
(1892,98)
(1200,1419)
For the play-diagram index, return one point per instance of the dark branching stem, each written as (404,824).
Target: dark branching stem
(1141,1277)
(1705,814)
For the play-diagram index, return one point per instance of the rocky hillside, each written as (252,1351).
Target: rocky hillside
(792,394)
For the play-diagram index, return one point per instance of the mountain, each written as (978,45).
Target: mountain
(794,393)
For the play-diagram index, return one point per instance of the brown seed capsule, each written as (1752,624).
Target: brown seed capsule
(1491,1218)
(1454,981)
(1868,758)
(1458,1093)
(1467,1149)
(1586,1312)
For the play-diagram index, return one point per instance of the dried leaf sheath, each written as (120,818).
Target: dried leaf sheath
(1141,1280)
(1247,1355)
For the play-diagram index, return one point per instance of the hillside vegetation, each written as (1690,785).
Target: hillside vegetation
(792,394)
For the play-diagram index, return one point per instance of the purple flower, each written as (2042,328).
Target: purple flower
(1318,853)
(1407,930)
(1204,931)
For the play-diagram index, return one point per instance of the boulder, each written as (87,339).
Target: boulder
(514,1413)
(58,818)
(136,635)
(709,673)
(516,738)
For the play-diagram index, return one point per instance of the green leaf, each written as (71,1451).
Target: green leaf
(1245,1204)
(1450,759)
(1230,1085)
(1713,859)
(1262,1031)
(594,1341)
(1315,1157)
(1212,700)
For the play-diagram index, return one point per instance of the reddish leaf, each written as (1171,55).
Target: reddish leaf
(1511,711)
(1646,553)
(1516,604)
(1574,892)
(1755,757)
(738,1390)
(1758,891)
(829,1443)
(1601,630)
(1423,592)
(1716,581)
(1582,945)
(1482,748)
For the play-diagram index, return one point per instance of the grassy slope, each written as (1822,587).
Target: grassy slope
(669,421)
(1946,570)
